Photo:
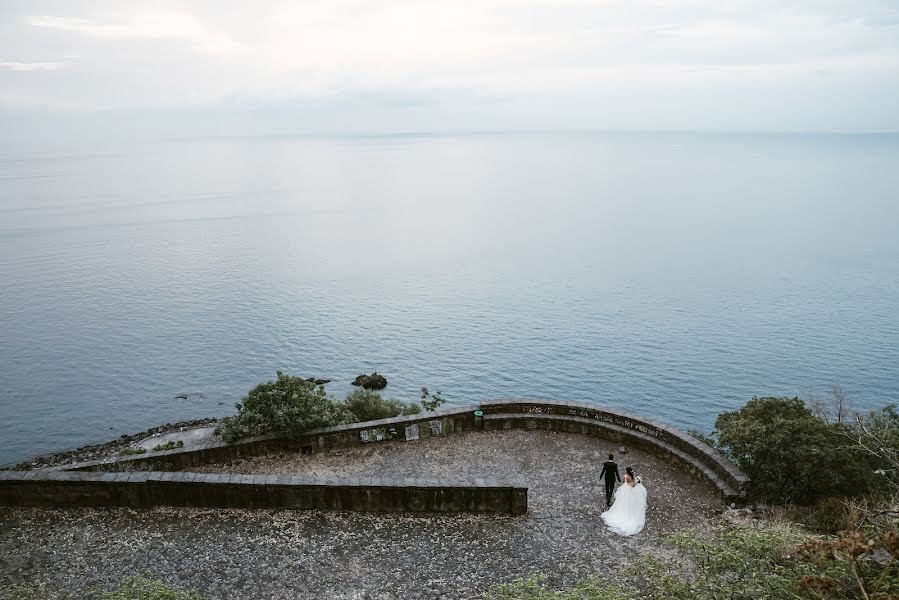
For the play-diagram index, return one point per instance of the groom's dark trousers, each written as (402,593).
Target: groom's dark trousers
(610,472)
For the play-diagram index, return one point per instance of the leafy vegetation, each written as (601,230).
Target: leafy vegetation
(369,405)
(287,406)
(129,588)
(431,402)
(741,562)
(132,450)
(26,592)
(534,588)
(785,449)
(168,446)
(139,588)
(292,405)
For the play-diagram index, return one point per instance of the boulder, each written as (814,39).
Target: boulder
(374,381)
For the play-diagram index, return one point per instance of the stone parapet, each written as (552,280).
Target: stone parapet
(143,489)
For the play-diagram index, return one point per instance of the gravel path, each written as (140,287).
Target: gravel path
(291,554)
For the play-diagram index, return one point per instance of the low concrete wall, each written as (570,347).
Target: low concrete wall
(620,426)
(146,489)
(406,428)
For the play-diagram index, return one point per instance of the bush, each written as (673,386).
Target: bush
(287,406)
(791,455)
(369,405)
(828,515)
(853,565)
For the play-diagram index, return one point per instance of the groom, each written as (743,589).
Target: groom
(610,471)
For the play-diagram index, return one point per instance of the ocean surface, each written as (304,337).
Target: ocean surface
(673,275)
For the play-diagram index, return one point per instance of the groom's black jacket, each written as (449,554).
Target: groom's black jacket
(610,470)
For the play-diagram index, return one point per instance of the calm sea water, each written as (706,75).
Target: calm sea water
(672,275)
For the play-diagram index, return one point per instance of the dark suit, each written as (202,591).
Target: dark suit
(610,472)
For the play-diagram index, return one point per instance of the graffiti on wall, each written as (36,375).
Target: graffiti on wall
(598,415)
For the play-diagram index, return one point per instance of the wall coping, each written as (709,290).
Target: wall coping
(256,479)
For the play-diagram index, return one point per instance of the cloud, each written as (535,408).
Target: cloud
(33,66)
(149,26)
(448,57)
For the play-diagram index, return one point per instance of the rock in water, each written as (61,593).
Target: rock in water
(377,382)
(371,382)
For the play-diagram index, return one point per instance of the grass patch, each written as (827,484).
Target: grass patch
(130,451)
(172,445)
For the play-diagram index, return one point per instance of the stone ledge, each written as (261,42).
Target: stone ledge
(214,490)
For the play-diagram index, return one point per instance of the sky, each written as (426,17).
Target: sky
(71,67)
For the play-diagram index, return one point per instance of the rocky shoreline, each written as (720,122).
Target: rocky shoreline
(106,449)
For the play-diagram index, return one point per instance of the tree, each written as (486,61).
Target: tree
(878,435)
(792,455)
(286,406)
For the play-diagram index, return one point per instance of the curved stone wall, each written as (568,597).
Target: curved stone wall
(617,425)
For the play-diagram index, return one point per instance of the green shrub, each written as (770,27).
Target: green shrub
(286,406)
(791,455)
(369,405)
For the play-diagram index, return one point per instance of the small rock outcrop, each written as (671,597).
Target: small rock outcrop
(374,381)
(315,381)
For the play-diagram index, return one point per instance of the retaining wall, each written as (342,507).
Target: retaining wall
(405,428)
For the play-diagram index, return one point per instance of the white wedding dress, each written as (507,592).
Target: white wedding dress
(628,512)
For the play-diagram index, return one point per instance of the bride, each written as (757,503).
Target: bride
(628,511)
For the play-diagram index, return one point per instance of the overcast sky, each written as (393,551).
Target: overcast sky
(451,65)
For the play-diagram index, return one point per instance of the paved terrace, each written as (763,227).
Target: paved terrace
(309,554)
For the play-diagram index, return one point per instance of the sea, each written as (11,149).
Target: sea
(674,275)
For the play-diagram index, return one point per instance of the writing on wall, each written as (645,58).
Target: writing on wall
(598,415)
